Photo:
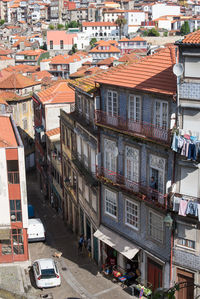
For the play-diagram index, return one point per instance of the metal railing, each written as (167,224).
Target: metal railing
(137,127)
(140,189)
(13,177)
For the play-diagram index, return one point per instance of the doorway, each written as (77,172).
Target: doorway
(186,281)
(154,274)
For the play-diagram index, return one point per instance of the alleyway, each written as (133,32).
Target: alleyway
(80,276)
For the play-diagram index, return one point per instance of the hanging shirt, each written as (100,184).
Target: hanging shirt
(176,203)
(182,207)
(192,208)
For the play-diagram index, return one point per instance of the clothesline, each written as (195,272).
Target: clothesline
(186,207)
(186,145)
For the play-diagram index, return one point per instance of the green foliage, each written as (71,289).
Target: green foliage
(165,33)
(185,28)
(44,47)
(120,22)
(166,293)
(74,48)
(43,56)
(145,33)
(2,22)
(72,24)
(51,27)
(153,32)
(60,26)
(93,42)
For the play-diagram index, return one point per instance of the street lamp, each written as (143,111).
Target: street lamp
(168,221)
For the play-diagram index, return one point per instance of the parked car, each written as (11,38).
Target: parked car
(46,273)
(36,231)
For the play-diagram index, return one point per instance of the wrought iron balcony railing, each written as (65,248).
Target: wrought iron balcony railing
(140,189)
(139,128)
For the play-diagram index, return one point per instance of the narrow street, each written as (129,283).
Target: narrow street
(79,274)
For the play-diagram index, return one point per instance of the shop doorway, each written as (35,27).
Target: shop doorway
(186,280)
(154,274)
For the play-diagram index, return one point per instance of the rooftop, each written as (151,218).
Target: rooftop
(15,80)
(192,38)
(152,73)
(7,135)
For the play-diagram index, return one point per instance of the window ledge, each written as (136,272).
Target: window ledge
(185,247)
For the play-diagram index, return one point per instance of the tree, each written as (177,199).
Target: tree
(60,26)
(51,27)
(165,33)
(74,48)
(44,47)
(2,22)
(153,32)
(93,42)
(120,22)
(72,24)
(185,28)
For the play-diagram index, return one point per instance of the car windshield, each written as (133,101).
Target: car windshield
(48,273)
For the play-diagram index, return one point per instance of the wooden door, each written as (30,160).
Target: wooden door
(154,274)
(186,281)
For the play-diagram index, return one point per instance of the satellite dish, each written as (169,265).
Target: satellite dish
(178,69)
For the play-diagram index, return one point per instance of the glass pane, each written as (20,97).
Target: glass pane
(19,216)
(12,205)
(18,205)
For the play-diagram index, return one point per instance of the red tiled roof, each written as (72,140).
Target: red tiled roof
(112,49)
(22,68)
(41,75)
(9,96)
(60,92)
(107,61)
(53,132)
(97,24)
(137,39)
(7,136)
(14,80)
(65,59)
(192,38)
(153,73)
(129,58)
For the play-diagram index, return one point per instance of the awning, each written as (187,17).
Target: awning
(115,241)
(4,234)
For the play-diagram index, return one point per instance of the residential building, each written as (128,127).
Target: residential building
(186,188)
(6,61)
(64,65)
(111,15)
(163,9)
(17,91)
(134,19)
(128,45)
(59,41)
(31,57)
(104,50)
(134,115)
(79,148)
(47,105)
(13,196)
(101,30)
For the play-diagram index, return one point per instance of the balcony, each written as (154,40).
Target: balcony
(139,189)
(13,177)
(140,129)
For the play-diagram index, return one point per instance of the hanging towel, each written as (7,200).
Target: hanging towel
(176,203)
(182,207)
(192,208)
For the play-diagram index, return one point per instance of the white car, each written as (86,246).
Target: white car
(46,273)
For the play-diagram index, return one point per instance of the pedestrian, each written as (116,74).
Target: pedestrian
(89,247)
(153,186)
(80,244)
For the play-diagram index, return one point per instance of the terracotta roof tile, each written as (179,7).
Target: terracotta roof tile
(41,75)
(153,73)
(7,135)
(98,24)
(53,132)
(60,92)
(192,38)
(107,61)
(112,49)
(20,68)
(65,59)
(14,80)
(137,39)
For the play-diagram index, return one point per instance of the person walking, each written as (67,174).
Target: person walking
(80,244)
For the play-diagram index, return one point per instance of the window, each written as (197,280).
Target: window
(112,104)
(85,154)
(186,243)
(161,114)
(25,124)
(18,243)
(110,203)
(192,67)
(132,163)
(61,44)
(24,106)
(94,202)
(131,214)
(156,227)
(78,140)
(86,193)
(15,210)
(110,156)
(87,108)
(134,108)
(157,170)
(51,44)
(79,103)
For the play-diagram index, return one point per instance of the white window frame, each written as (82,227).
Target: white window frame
(110,161)
(127,213)
(134,100)
(24,107)
(111,100)
(110,203)
(133,164)
(159,120)
(79,103)
(156,227)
